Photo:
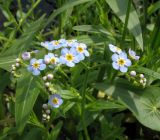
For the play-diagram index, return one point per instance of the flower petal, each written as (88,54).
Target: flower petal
(35,72)
(115,65)
(115,57)
(42,66)
(112,48)
(128,62)
(123,69)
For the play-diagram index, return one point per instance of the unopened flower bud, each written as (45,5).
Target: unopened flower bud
(45,106)
(48,111)
(141,76)
(46,61)
(17,64)
(144,79)
(50,76)
(133,73)
(13,68)
(26,55)
(141,81)
(17,60)
(48,117)
(44,115)
(47,84)
(44,78)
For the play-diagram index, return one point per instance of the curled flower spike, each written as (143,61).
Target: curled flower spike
(55,100)
(36,66)
(133,55)
(121,62)
(69,57)
(114,49)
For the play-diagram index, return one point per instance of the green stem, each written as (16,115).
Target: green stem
(126,22)
(83,105)
(144,21)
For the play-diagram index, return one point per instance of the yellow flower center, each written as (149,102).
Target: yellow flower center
(35,65)
(69,57)
(53,60)
(55,100)
(121,62)
(80,49)
(56,43)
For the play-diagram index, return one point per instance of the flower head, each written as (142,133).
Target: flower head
(121,62)
(133,55)
(36,66)
(50,58)
(55,44)
(55,100)
(26,55)
(71,42)
(81,50)
(114,49)
(69,57)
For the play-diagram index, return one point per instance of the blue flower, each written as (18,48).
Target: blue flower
(63,42)
(121,62)
(133,55)
(71,42)
(48,45)
(69,57)
(36,66)
(81,50)
(50,58)
(56,44)
(114,49)
(55,100)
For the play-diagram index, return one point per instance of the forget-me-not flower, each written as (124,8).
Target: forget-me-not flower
(69,57)
(50,58)
(121,62)
(133,55)
(36,66)
(114,49)
(55,100)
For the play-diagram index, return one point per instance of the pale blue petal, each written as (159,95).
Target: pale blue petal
(42,66)
(137,57)
(115,65)
(128,62)
(70,64)
(112,48)
(115,57)
(29,68)
(40,61)
(123,55)
(60,101)
(62,60)
(33,60)
(36,72)
(86,53)
(123,69)
(64,51)
(79,57)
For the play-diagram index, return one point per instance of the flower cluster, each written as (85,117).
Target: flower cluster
(71,52)
(120,59)
(139,79)
(45,112)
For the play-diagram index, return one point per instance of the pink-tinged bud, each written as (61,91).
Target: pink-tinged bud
(133,73)
(26,55)
(48,111)
(141,76)
(50,76)
(47,61)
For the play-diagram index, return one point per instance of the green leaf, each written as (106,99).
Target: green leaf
(101,105)
(7,61)
(55,132)
(67,6)
(153,8)
(120,8)
(143,103)
(26,95)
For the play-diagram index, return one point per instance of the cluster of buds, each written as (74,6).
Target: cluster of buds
(45,113)
(15,66)
(138,78)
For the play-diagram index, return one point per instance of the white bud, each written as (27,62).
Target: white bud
(26,55)
(141,81)
(13,68)
(48,117)
(17,64)
(47,84)
(44,78)
(45,106)
(133,73)
(17,60)
(47,61)
(44,116)
(50,76)
(145,80)
(141,76)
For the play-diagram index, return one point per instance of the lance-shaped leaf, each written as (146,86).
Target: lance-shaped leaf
(26,95)
(120,8)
